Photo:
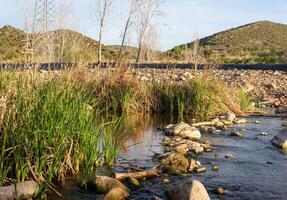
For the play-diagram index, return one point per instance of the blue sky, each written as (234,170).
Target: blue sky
(183,20)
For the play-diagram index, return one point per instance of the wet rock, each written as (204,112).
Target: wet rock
(284,124)
(240,121)
(264,134)
(220,190)
(280,139)
(165,180)
(229,156)
(116,194)
(194,165)
(257,122)
(188,191)
(175,163)
(215,167)
(200,170)
(183,130)
(104,184)
(134,182)
(219,124)
(182,149)
(229,116)
(22,190)
(236,134)
(281,110)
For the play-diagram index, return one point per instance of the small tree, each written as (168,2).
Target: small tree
(147,10)
(134,6)
(102,11)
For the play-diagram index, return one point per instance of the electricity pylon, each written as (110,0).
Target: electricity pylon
(40,43)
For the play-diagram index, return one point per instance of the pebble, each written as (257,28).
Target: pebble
(257,122)
(264,134)
(220,190)
(200,170)
(229,156)
(215,167)
(165,180)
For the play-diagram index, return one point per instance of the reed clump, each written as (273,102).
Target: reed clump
(57,124)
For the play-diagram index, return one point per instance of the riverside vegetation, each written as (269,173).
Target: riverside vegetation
(68,123)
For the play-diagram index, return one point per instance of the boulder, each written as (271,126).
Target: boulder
(183,130)
(22,190)
(175,163)
(229,116)
(281,110)
(188,191)
(280,139)
(116,194)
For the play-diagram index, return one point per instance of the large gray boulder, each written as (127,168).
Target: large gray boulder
(188,191)
(280,139)
(183,130)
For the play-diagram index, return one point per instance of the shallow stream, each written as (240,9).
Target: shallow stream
(257,171)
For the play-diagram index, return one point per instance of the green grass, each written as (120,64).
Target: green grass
(59,124)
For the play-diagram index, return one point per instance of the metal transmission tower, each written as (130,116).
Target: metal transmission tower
(40,44)
(44,16)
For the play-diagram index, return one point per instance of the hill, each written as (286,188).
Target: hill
(72,45)
(259,42)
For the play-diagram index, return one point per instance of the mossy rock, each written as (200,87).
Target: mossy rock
(175,163)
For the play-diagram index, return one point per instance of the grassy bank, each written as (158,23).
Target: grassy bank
(54,124)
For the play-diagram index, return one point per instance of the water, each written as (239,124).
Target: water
(247,176)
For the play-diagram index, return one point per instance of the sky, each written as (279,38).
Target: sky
(182,20)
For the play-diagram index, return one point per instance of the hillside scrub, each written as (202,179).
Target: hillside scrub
(54,124)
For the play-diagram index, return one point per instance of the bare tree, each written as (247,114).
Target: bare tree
(102,11)
(147,10)
(134,6)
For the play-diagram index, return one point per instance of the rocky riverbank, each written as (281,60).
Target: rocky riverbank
(266,86)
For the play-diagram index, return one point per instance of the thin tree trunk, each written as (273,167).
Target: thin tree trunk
(139,52)
(100,46)
(123,39)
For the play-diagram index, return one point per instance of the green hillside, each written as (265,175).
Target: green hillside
(259,42)
(72,45)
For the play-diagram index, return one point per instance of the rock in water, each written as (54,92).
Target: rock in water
(104,184)
(280,139)
(183,130)
(284,124)
(229,116)
(236,134)
(281,110)
(188,191)
(116,194)
(240,121)
(176,163)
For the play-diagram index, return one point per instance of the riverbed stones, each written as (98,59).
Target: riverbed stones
(175,163)
(182,130)
(281,110)
(22,190)
(215,167)
(280,139)
(188,191)
(229,116)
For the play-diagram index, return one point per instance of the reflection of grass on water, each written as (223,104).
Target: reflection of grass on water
(51,123)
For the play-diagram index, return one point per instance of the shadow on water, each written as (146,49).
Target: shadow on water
(248,176)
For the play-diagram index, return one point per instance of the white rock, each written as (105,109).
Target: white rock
(240,121)
(183,130)
(188,191)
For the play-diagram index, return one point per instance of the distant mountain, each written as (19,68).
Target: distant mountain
(13,40)
(259,42)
